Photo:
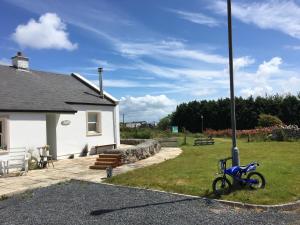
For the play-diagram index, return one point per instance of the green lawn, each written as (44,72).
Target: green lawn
(194,170)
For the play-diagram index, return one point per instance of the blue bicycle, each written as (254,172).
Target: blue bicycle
(255,180)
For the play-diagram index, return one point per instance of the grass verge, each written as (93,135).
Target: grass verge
(194,171)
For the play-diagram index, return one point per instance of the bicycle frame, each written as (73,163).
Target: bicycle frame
(236,172)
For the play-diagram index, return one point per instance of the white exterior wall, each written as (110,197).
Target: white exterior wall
(71,139)
(32,130)
(25,130)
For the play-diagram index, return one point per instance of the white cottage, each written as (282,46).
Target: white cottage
(66,112)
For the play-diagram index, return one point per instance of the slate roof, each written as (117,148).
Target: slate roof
(38,91)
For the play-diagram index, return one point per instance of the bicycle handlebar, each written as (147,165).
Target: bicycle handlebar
(228,158)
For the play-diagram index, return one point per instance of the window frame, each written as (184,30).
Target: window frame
(98,131)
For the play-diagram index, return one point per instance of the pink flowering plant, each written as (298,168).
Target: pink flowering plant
(277,133)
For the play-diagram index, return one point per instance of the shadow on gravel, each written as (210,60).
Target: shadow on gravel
(104,211)
(212,195)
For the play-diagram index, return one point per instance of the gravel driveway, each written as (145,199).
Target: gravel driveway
(79,202)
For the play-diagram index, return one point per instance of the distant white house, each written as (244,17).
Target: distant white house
(135,124)
(66,112)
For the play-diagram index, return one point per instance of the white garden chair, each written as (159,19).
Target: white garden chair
(16,159)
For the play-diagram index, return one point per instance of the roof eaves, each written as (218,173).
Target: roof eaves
(95,87)
(39,111)
(87,103)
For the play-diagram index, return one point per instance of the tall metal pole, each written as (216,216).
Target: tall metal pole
(234,150)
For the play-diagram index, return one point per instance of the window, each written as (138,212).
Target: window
(2,144)
(93,123)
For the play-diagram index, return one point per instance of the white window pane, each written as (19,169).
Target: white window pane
(92,117)
(92,127)
(0,140)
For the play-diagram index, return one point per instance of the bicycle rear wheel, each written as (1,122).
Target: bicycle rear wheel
(259,178)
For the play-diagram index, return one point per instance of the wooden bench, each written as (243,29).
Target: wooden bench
(168,142)
(204,141)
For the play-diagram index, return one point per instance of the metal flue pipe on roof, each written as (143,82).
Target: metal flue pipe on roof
(100,71)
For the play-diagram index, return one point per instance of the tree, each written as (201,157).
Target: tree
(216,113)
(265,120)
(290,110)
(164,123)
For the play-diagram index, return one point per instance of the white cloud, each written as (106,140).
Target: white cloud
(269,67)
(49,32)
(170,51)
(242,62)
(262,81)
(110,66)
(293,47)
(167,49)
(291,85)
(256,91)
(104,64)
(148,107)
(122,83)
(281,15)
(181,73)
(192,72)
(198,18)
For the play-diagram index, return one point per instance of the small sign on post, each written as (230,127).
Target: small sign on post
(174,129)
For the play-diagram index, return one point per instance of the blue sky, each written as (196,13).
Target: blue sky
(157,54)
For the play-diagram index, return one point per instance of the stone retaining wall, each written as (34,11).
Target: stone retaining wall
(143,149)
(133,141)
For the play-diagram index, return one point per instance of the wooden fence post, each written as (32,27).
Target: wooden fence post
(184,140)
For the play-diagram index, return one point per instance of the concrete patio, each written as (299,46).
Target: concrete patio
(78,169)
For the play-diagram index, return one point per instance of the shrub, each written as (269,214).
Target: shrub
(276,133)
(137,133)
(259,134)
(265,120)
(145,134)
(33,163)
(279,135)
(164,123)
(286,133)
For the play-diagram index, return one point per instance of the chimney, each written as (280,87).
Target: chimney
(100,70)
(20,62)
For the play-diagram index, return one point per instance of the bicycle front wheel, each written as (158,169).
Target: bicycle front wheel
(221,186)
